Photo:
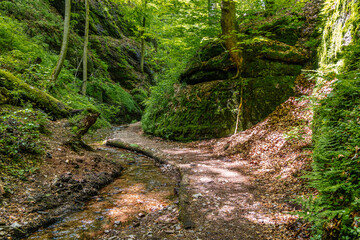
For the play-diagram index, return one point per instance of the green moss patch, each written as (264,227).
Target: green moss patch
(209,110)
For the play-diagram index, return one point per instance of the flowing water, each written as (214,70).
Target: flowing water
(141,189)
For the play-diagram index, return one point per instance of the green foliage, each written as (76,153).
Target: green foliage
(24,53)
(140,96)
(336,167)
(19,136)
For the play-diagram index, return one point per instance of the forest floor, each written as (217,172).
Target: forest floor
(239,187)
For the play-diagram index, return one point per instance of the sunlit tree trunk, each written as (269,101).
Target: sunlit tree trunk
(228,27)
(65,42)
(269,7)
(86,41)
(142,61)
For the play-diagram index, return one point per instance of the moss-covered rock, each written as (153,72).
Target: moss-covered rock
(209,109)
(207,106)
(262,57)
(123,60)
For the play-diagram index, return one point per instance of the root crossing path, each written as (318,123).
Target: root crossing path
(220,197)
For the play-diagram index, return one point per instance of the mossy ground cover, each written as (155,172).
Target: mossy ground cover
(30,38)
(20,144)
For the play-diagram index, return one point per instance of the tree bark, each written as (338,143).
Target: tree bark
(211,12)
(142,61)
(84,124)
(269,7)
(76,143)
(36,96)
(86,42)
(65,42)
(228,27)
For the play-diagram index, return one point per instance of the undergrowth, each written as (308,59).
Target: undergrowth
(29,33)
(335,211)
(20,131)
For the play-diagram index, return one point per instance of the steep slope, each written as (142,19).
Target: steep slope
(37,42)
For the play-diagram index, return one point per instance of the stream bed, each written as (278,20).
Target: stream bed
(143,188)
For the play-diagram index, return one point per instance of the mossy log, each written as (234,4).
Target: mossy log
(2,190)
(85,123)
(82,127)
(27,92)
(4,95)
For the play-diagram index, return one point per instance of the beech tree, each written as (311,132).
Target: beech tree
(228,27)
(86,42)
(142,50)
(65,42)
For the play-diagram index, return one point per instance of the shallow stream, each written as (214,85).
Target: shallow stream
(141,189)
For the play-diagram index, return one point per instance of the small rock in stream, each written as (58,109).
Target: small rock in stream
(170,231)
(15,225)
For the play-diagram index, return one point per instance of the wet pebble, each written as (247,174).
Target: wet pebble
(169,231)
(136,224)
(15,225)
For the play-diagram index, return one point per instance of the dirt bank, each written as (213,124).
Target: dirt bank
(61,184)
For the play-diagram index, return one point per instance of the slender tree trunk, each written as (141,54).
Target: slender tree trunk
(269,7)
(86,41)
(211,13)
(142,61)
(228,27)
(239,108)
(65,42)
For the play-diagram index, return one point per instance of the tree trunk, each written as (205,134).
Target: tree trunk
(65,42)
(211,12)
(228,27)
(142,61)
(269,7)
(86,41)
(41,99)
(84,124)
(76,143)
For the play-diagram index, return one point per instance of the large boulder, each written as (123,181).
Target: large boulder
(262,57)
(205,104)
(209,109)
